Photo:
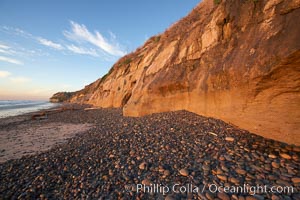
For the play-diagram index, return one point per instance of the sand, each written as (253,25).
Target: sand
(31,138)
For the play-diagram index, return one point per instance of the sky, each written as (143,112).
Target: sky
(62,45)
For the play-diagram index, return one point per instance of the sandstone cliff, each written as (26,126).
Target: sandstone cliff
(61,97)
(236,60)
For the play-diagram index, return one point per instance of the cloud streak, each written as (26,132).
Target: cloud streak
(49,43)
(88,43)
(25,34)
(79,32)
(10,60)
(4,49)
(4,74)
(81,50)
(16,31)
(3,46)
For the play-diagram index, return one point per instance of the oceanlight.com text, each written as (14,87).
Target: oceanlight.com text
(213,188)
(252,190)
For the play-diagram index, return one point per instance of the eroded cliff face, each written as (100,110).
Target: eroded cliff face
(238,61)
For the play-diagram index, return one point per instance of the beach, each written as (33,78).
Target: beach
(76,152)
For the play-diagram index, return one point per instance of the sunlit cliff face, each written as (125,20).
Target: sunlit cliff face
(237,61)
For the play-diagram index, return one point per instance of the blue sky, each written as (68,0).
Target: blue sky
(62,45)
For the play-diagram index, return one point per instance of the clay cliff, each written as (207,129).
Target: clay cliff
(235,60)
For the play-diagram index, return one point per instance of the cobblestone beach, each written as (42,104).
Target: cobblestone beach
(110,156)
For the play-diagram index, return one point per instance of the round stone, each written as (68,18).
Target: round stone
(274,197)
(170,197)
(221,158)
(223,196)
(234,180)
(275,165)
(229,139)
(167,173)
(184,172)
(295,157)
(143,165)
(219,171)
(272,156)
(224,168)
(209,196)
(132,152)
(222,177)
(146,182)
(105,177)
(296,180)
(286,156)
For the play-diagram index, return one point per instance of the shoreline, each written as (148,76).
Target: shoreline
(60,107)
(10,108)
(94,153)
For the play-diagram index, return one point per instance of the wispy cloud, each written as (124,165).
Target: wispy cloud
(27,35)
(5,49)
(20,79)
(81,50)
(16,31)
(88,43)
(3,46)
(15,50)
(4,74)
(49,43)
(81,33)
(10,60)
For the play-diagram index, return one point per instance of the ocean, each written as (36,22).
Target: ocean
(16,107)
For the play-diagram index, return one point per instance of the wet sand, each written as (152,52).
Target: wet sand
(31,138)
